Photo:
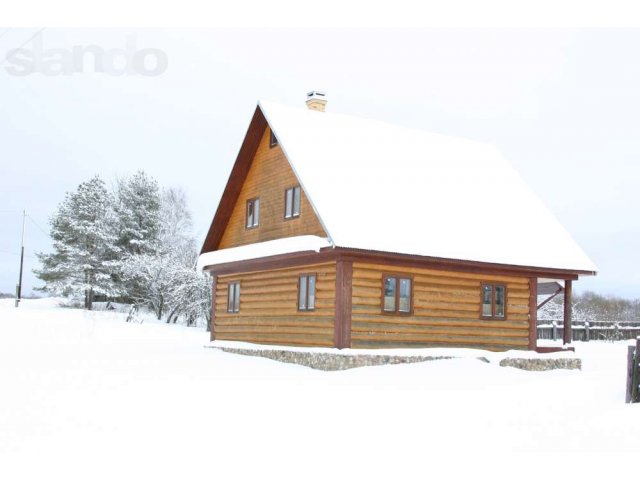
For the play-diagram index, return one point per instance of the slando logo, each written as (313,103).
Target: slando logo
(149,62)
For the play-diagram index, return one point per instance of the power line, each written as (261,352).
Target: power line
(38,226)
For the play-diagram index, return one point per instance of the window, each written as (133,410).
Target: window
(233,297)
(397,297)
(292,202)
(306,293)
(253,212)
(273,141)
(494,300)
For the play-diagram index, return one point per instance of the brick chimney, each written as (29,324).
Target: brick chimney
(316,100)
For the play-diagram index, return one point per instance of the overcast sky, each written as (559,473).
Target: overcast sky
(562,105)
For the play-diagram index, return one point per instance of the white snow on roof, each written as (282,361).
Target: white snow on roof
(377,186)
(303,243)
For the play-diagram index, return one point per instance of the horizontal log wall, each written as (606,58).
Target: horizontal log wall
(268,178)
(269,310)
(446,311)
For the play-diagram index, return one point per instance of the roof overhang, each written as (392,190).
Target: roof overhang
(260,250)
(397,260)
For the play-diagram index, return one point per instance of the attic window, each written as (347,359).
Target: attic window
(253,213)
(396,294)
(292,202)
(494,300)
(273,141)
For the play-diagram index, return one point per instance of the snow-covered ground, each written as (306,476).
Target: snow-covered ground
(84,395)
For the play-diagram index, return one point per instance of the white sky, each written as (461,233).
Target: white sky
(562,105)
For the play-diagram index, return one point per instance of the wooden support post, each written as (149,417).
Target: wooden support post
(586,331)
(568,335)
(533,313)
(212,322)
(635,380)
(633,373)
(342,321)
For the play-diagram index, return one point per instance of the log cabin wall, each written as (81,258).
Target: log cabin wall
(269,309)
(268,178)
(446,311)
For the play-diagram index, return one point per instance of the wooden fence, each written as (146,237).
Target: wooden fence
(633,373)
(587,331)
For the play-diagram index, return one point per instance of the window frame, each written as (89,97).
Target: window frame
(231,298)
(293,202)
(398,277)
(315,291)
(493,315)
(252,201)
(273,140)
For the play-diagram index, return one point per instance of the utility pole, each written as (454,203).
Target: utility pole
(19,286)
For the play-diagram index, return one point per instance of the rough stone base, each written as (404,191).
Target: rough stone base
(329,361)
(541,364)
(336,361)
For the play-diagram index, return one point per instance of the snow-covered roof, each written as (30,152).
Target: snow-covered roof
(303,243)
(377,186)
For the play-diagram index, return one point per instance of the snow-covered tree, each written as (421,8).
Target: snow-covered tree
(82,229)
(137,207)
(135,244)
(154,277)
(166,280)
(192,298)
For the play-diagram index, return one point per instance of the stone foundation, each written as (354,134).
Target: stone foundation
(541,364)
(336,361)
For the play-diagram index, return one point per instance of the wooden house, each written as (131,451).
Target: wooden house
(339,231)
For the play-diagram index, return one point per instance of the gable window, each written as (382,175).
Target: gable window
(397,294)
(494,300)
(292,202)
(233,297)
(273,141)
(253,213)
(307,293)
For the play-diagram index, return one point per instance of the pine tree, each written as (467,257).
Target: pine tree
(137,209)
(82,230)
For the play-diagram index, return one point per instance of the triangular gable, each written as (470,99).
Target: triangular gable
(265,172)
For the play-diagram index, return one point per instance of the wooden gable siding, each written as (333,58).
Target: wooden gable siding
(446,311)
(268,178)
(269,310)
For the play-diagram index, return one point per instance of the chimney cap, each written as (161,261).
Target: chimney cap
(316,100)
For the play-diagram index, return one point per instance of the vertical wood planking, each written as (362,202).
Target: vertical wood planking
(533,313)
(344,276)
(212,322)
(567,337)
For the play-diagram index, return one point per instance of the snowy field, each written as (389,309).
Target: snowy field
(84,395)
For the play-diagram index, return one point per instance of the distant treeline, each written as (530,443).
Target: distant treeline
(591,306)
(11,295)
